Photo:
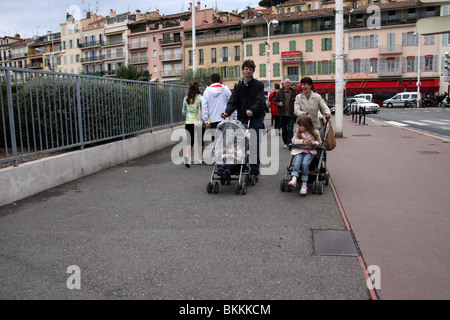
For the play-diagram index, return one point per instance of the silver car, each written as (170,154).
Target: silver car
(363,103)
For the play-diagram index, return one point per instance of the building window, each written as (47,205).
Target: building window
(249,49)
(390,64)
(410,64)
(262,70)
(428,63)
(357,42)
(237,53)
(356,66)
(327,44)
(201,56)
(309,45)
(237,71)
(373,65)
(309,68)
(190,58)
(325,67)
(410,39)
(213,55)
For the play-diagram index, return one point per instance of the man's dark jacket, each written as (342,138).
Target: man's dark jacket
(280,98)
(250,97)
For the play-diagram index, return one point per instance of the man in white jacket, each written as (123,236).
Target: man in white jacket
(214,102)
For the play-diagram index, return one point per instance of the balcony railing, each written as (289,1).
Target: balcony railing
(170,73)
(170,40)
(92,58)
(390,49)
(91,44)
(113,56)
(138,60)
(170,57)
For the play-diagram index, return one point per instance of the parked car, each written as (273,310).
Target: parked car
(367,96)
(400,99)
(361,102)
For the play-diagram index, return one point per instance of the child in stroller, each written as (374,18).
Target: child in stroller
(307,147)
(231,153)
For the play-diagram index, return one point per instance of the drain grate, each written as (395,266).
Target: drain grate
(361,135)
(334,243)
(429,152)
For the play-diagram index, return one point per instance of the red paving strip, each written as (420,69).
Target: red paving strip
(372,291)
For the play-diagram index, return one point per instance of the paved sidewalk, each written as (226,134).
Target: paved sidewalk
(149,230)
(393,185)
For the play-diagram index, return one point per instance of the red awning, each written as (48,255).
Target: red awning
(395,86)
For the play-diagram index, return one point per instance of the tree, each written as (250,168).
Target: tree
(130,72)
(270,3)
(202,76)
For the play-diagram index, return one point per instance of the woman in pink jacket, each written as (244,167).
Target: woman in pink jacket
(306,135)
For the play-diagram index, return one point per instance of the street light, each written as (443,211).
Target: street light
(274,22)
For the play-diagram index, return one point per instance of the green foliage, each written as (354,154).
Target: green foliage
(202,76)
(131,72)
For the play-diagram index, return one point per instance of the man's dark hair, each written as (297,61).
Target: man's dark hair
(277,86)
(215,78)
(249,64)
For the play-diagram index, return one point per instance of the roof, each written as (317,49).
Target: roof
(390,6)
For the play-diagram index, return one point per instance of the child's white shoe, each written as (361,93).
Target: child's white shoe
(303,190)
(293,182)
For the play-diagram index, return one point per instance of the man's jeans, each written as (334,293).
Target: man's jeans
(287,128)
(301,162)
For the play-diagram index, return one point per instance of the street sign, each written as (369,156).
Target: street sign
(435,25)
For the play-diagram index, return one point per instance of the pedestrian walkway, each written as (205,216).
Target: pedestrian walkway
(149,230)
(393,186)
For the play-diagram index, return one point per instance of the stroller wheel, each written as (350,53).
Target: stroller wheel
(314,187)
(244,189)
(237,188)
(216,187)
(209,187)
(320,187)
(283,185)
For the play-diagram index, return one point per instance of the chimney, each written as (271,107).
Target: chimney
(198,6)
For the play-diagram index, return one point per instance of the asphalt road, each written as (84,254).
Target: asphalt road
(429,120)
(149,230)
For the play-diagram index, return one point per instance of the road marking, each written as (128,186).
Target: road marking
(416,123)
(395,123)
(447,139)
(434,122)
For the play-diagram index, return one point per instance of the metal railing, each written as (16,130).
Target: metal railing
(43,112)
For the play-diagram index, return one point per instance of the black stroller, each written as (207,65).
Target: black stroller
(231,155)
(318,175)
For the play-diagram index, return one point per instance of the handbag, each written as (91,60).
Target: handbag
(330,138)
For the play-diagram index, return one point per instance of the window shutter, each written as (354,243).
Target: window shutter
(249,50)
(262,49)
(276,69)
(292,45)
(276,48)
(262,70)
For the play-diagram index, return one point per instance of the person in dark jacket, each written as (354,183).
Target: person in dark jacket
(284,100)
(249,101)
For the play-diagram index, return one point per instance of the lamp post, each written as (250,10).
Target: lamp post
(274,22)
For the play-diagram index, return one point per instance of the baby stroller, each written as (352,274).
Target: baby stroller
(318,175)
(231,155)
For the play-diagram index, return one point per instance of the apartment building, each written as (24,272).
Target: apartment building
(219,47)
(156,43)
(6,53)
(70,44)
(44,53)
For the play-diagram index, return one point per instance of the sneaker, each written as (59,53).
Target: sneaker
(285,146)
(293,183)
(303,190)
(290,146)
(187,161)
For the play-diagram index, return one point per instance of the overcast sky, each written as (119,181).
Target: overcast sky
(31,17)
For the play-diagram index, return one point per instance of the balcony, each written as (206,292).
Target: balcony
(141,60)
(169,41)
(138,46)
(90,44)
(92,59)
(171,57)
(170,73)
(113,56)
(394,49)
(114,43)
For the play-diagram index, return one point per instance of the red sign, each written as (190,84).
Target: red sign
(290,54)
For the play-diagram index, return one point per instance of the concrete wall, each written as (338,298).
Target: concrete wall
(33,177)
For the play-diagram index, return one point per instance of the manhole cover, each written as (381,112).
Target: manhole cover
(334,243)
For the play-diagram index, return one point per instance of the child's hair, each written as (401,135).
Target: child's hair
(306,122)
(192,92)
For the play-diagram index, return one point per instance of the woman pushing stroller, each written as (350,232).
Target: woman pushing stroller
(305,139)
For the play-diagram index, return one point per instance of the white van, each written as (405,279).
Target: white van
(400,98)
(367,96)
